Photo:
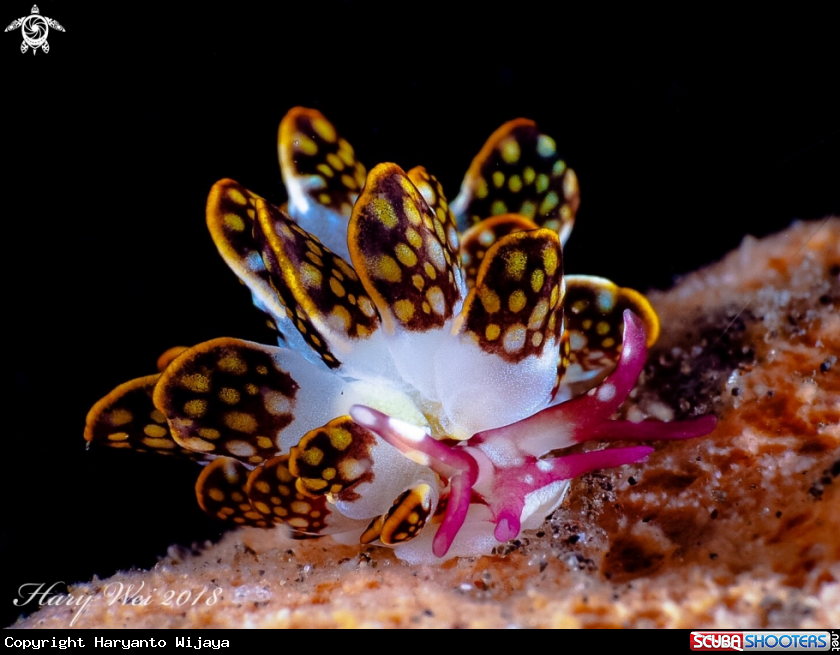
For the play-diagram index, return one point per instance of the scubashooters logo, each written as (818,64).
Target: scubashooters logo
(35,29)
(753,640)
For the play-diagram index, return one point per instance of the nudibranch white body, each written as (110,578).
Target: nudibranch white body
(415,398)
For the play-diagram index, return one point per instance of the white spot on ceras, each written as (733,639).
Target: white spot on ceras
(604,301)
(606,392)
(514,338)
(545,465)
(435,254)
(546,146)
(436,299)
(254,262)
(314,182)
(240,448)
(276,403)
(577,340)
(352,469)
(486,238)
(452,236)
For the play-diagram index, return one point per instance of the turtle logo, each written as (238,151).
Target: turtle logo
(34,28)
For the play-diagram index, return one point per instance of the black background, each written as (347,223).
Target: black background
(687,133)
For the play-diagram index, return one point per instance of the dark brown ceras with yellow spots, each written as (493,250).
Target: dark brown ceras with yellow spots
(408,402)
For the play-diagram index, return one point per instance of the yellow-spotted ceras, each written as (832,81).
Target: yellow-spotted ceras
(424,347)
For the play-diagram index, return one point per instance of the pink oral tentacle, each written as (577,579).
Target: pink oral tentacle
(600,403)
(415,442)
(512,485)
(581,419)
(653,430)
(507,525)
(460,491)
(572,422)
(572,466)
(452,463)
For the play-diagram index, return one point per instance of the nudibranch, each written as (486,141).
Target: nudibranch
(433,359)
